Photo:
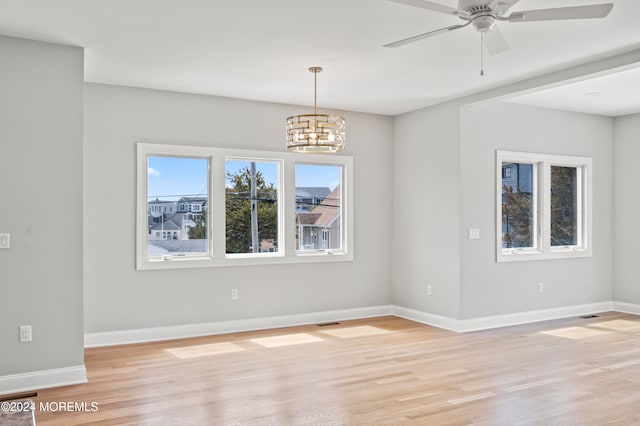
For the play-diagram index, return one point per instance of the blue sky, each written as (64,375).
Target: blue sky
(170,178)
(316,175)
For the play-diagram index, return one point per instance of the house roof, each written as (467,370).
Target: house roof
(157,201)
(324,213)
(308,218)
(191,200)
(167,225)
(312,191)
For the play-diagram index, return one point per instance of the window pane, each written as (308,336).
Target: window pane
(251,206)
(517,205)
(564,206)
(177,187)
(318,212)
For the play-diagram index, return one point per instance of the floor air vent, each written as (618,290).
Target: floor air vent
(324,324)
(589,316)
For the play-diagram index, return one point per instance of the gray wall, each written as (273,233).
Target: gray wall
(444,171)
(414,200)
(117,297)
(426,207)
(490,288)
(41,205)
(626,209)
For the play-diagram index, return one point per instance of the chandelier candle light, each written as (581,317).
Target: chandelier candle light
(315,133)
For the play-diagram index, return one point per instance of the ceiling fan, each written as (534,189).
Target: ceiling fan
(483,14)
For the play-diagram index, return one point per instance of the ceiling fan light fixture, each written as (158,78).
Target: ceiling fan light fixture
(315,133)
(484,23)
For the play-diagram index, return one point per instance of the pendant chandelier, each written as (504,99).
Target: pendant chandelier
(315,133)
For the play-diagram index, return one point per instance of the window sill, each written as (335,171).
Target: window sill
(557,253)
(181,262)
(253,256)
(320,253)
(568,249)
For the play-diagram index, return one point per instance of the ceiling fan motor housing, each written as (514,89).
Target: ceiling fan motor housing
(482,17)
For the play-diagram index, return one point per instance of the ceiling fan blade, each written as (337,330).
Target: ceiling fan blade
(576,12)
(425,35)
(436,7)
(495,42)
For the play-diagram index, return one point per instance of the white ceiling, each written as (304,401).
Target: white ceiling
(613,94)
(260,50)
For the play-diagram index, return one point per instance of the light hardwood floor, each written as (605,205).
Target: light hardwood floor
(378,371)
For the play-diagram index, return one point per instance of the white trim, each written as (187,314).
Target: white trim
(216,255)
(23,382)
(142,335)
(541,199)
(496,321)
(123,337)
(627,308)
(35,380)
(422,317)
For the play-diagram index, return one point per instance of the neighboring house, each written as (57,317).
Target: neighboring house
(158,214)
(171,236)
(309,196)
(192,204)
(518,228)
(186,221)
(189,211)
(178,222)
(157,207)
(171,220)
(319,228)
(268,246)
(183,213)
(518,176)
(165,230)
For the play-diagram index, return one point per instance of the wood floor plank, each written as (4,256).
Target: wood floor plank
(377,371)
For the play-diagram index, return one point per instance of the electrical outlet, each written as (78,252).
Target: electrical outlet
(5,241)
(429,290)
(234,294)
(540,287)
(25,333)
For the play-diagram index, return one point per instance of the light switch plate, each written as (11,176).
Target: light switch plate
(474,233)
(5,241)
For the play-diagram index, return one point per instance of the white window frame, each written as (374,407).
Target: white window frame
(260,159)
(535,207)
(216,229)
(344,235)
(541,201)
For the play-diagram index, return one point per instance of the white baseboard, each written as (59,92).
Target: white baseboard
(425,318)
(16,383)
(627,308)
(24,382)
(485,323)
(141,335)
